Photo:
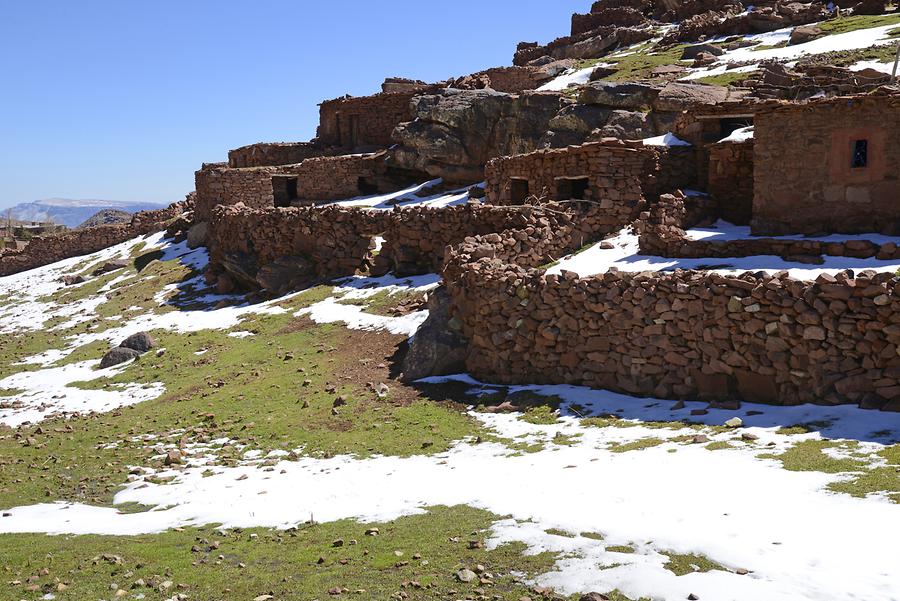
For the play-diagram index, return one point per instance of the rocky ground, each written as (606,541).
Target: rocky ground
(269,451)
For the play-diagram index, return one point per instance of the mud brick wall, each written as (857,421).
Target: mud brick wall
(363,121)
(805,181)
(680,335)
(731,180)
(270,154)
(45,250)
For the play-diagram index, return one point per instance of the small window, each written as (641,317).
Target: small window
(366,186)
(518,191)
(572,188)
(860,158)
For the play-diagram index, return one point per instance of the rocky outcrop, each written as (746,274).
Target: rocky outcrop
(455,133)
(438,348)
(117,356)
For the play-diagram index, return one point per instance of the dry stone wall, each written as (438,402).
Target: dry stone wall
(45,250)
(351,122)
(217,184)
(271,154)
(761,338)
(620,175)
(662,233)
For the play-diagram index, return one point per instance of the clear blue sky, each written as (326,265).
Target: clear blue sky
(123,100)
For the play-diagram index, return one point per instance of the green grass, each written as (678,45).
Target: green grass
(640,64)
(726,79)
(254,391)
(417,556)
(636,445)
(682,565)
(863,478)
(857,22)
(621,549)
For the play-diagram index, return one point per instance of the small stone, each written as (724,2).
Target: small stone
(466,575)
(701,439)
(372,532)
(749,437)
(338,542)
(734,422)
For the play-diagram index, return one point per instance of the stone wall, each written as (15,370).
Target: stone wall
(675,335)
(805,179)
(353,122)
(340,177)
(218,184)
(731,180)
(662,233)
(619,175)
(45,250)
(511,80)
(269,154)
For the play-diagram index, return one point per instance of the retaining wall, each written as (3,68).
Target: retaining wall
(676,335)
(45,250)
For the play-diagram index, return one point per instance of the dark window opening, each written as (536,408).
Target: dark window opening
(284,191)
(338,136)
(572,189)
(518,191)
(366,186)
(860,158)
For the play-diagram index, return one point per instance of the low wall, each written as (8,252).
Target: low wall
(676,335)
(662,233)
(271,154)
(45,250)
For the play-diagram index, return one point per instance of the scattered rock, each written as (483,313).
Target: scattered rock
(466,575)
(438,348)
(140,342)
(734,422)
(118,356)
(113,265)
(805,33)
(197,235)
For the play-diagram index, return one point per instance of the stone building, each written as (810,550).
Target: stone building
(831,165)
(610,172)
(366,121)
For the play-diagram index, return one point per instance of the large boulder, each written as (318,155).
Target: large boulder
(693,52)
(438,348)
(241,268)
(140,342)
(626,125)
(455,133)
(286,274)
(677,96)
(805,33)
(574,123)
(618,95)
(118,356)
(109,266)
(196,236)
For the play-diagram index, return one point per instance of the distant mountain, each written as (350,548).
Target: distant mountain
(71,212)
(107,217)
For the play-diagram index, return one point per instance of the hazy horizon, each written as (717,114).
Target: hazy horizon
(97,108)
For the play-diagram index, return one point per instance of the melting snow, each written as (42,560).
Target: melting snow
(665,140)
(48,392)
(572,77)
(625,255)
(332,310)
(741,511)
(741,134)
(409,198)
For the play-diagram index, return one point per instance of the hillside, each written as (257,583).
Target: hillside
(620,322)
(106,217)
(72,213)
